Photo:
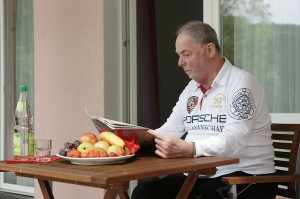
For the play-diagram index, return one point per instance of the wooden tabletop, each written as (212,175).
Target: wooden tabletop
(107,176)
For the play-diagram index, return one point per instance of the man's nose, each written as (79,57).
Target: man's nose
(181,62)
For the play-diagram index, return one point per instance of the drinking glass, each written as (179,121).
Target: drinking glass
(43,149)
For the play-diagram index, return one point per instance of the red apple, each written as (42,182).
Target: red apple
(74,154)
(103,154)
(120,151)
(88,137)
(112,154)
(93,153)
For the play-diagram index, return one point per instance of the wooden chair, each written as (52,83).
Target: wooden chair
(286,139)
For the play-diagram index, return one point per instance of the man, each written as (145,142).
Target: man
(224,112)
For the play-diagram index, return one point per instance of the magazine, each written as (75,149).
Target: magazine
(104,124)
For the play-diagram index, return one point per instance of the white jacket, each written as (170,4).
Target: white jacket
(233,121)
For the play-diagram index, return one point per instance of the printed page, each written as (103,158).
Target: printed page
(112,125)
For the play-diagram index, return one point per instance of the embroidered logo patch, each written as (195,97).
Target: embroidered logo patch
(218,101)
(191,103)
(242,105)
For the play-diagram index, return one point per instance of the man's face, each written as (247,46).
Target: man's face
(192,58)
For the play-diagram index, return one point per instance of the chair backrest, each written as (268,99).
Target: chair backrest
(286,139)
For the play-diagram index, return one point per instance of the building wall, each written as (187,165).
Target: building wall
(68,59)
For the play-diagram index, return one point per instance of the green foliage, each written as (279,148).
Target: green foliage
(267,50)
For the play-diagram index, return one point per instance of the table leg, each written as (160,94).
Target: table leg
(123,194)
(188,184)
(115,189)
(46,189)
(110,194)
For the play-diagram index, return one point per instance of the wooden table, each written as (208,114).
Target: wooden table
(115,178)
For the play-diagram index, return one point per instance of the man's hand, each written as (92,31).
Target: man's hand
(171,147)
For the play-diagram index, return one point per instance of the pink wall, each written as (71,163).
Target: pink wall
(68,57)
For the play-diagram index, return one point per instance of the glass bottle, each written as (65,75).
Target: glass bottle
(23,138)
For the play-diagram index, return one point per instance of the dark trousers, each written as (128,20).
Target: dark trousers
(205,188)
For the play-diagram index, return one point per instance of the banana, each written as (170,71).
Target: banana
(111,138)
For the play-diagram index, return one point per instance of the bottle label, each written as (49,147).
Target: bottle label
(31,142)
(17,143)
(20,106)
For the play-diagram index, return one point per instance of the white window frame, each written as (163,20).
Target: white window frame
(211,14)
(4,54)
(119,60)
(120,52)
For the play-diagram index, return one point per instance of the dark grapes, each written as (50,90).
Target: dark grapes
(60,151)
(76,143)
(64,153)
(71,146)
(66,145)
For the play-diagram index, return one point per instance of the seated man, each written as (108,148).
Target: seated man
(224,112)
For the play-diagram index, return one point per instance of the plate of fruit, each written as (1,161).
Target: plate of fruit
(109,148)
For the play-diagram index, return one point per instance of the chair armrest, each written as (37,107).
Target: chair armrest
(260,179)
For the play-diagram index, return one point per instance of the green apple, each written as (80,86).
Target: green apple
(112,148)
(85,146)
(118,150)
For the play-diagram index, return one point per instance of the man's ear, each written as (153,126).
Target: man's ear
(211,50)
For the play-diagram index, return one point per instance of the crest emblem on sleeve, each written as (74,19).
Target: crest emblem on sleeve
(242,105)
(191,103)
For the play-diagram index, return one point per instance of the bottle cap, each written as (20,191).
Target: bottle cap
(22,88)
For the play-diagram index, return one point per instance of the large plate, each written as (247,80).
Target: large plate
(97,161)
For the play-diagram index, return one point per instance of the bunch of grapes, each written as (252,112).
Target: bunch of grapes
(68,146)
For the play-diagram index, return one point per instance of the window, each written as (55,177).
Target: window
(16,68)
(262,37)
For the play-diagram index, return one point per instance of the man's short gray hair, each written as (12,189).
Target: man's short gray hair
(201,33)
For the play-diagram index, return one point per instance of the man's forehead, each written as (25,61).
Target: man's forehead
(184,43)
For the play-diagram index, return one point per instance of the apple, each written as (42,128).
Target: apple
(120,151)
(74,153)
(85,146)
(112,148)
(88,137)
(112,154)
(103,154)
(84,154)
(102,145)
(93,153)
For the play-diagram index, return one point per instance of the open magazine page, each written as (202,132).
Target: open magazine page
(103,124)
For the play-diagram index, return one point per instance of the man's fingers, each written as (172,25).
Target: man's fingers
(153,132)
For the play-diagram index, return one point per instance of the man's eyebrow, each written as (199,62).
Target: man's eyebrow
(184,50)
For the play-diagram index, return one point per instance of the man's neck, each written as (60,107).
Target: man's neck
(216,67)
